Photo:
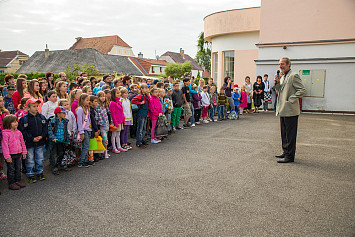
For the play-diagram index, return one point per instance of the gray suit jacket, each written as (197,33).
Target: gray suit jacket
(289,90)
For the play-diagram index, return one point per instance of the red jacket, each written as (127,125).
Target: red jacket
(16,97)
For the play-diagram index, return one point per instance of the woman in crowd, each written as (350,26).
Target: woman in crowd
(258,92)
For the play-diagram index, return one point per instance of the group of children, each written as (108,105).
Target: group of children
(78,123)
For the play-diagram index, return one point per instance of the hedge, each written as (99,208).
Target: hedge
(30,76)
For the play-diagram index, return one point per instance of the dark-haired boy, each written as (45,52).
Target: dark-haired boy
(8,102)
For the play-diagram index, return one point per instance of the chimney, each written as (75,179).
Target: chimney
(182,53)
(46,52)
(140,55)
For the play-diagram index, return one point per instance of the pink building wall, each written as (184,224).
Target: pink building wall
(244,65)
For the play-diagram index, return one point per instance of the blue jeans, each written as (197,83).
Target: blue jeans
(213,111)
(141,129)
(236,109)
(85,147)
(221,112)
(34,159)
(265,105)
(192,118)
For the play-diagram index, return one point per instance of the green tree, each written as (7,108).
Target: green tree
(73,71)
(203,56)
(177,70)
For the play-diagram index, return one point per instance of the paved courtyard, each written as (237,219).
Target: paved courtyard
(219,179)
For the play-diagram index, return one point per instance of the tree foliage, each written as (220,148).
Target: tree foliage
(72,71)
(177,70)
(203,56)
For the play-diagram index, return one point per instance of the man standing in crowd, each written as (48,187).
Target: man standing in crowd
(289,88)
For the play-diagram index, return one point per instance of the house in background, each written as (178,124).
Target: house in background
(57,61)
(111,45)
(172,57)
(11,61)
(149,67)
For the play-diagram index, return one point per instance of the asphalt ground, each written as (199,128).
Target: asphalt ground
(219,179)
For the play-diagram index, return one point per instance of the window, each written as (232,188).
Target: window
(229,64)
(21,62)
(215,66)
(153,70)
(2,71)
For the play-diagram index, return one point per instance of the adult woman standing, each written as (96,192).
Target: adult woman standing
(249,91)
(33,93)
(50,80)
(228,90)
(258,89)
(21,85)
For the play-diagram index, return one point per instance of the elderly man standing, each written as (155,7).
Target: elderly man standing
(290,88)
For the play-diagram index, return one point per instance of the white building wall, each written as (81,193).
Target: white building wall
(239,41)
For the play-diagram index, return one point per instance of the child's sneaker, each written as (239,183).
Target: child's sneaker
(83,165)
(178,128)
(122,149)
(116,151)
(31,180)
(157,140)
(41,177)
(185,126)
(14,186)
(21,185)
(90,163)
(205,121)
(154,141)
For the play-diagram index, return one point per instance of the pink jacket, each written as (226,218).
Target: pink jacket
(12,143)
(155,107)
(74,106)
(116,110)
(243,99)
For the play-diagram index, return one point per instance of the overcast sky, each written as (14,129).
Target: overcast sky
(146,25)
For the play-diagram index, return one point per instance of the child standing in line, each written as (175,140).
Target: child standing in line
(118,120)
(197,105)
(3,113)
(49,107)
(236,99)
(127,111)
(205,103)
(72,126)
(95,130)
(84,128)
(243,99)
(214,103)
(14,149)
(177,103)
(58,138)
(155,110)
(168,103)
(74,100)
(34,129)
(23,110)
(103,120)
(9,103)
(222,101)
(142,101)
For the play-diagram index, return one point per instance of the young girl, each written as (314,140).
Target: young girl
(3,113)
(102,119)
(127,110)
(50,80)
(87,90)
(21,85)
(14,149)
(74,100)
(33,93)
(72,126)
(43,90)
(155,110)
(23,110)
(118,119)
(61,88)
(205,103)
(243,99)
(197,105)
(84,128)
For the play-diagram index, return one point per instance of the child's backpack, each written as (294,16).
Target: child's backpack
(232,115)
(161,129)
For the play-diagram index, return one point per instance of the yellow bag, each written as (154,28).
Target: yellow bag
(100,146)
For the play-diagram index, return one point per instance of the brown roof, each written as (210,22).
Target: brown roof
(7,56)
(144,64)
(156,62)
(178,58)
(102,44)
(206,74)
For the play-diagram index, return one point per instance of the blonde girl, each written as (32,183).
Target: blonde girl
(33,93)
(127,111)
(87,90)
(22,108)
(84,128)
(61,88)
(102,119)
(118,119)
(74,100)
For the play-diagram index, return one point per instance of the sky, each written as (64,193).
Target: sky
(148,26)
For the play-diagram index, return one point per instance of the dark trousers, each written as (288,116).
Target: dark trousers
(289,135)
(197,115)
(57,154)
(14,169)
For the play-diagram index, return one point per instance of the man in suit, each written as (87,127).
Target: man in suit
(289,88)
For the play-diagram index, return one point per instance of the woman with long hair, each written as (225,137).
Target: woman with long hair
(33,93)
(61,88)
(21,85)
(258,93)
(43,90)
(50,80)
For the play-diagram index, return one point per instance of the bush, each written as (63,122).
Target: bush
(30,76)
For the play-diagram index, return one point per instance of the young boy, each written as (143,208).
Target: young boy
(134,91)
(222,101)
(168,104)
(9,80)
(142,101)
(95,129)
(34,129)
(49,107)
(177,103)
(214,103)
(236,99)
(58,137)
(187,102)
(9,103)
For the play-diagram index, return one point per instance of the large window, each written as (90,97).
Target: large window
(215,67)
(229,64)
